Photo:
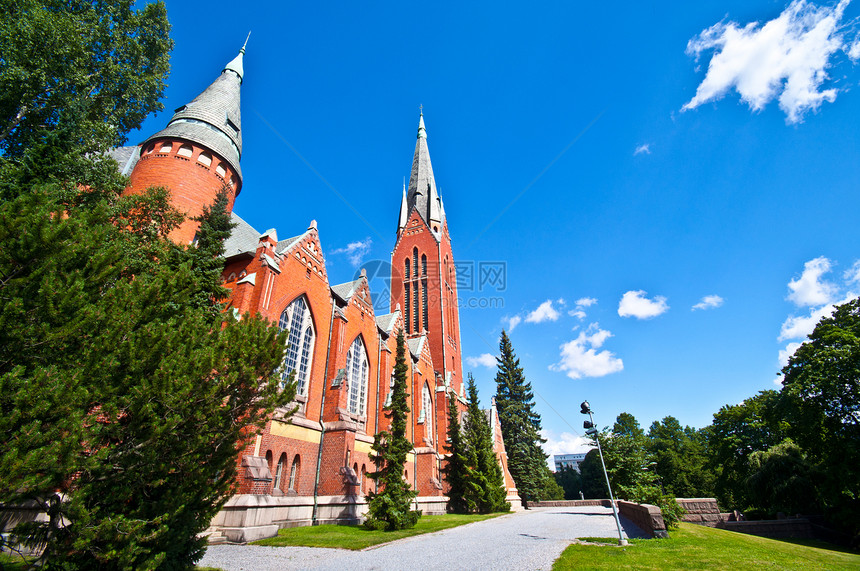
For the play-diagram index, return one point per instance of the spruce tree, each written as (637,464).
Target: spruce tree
(389,508)
(521,428)
(456,470)
(488,490)
(122,396)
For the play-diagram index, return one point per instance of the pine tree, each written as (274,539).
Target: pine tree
(389,509)
(118,388)
(488,490)
(521,428)
(456,470)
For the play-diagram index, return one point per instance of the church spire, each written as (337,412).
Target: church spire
(422,193)
(213,118)
(404,211)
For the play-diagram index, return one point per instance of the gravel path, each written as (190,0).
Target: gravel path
(531,539)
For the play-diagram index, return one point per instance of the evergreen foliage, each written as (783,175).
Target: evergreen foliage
(456,471)
(521,429)
(487,491)
(389,508)
(125,392)
(570,481)
(122,397)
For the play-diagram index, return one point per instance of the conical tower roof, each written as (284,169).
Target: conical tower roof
(422,193)
(213,118)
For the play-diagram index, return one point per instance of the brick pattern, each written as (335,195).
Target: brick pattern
(268,281)
(192,183)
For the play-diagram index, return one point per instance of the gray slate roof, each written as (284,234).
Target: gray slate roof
(386,322)
(416,345)
(284,245)
(243,239)
(346,290)
(213,118)
(126,158)
(422,193)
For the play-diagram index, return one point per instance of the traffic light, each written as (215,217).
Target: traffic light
(589,428)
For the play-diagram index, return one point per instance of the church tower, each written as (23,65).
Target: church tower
(423,273)
(198,152)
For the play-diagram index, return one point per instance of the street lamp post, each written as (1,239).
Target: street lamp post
(591,430)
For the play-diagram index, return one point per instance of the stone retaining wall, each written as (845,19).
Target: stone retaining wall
(647,517)
(800,528)
(249,517)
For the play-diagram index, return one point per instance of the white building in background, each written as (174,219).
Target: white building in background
(571,460)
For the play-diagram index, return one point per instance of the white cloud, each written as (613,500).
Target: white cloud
(544,312)
(809,289)
(642,150)
(784,354)
(800,326)
(852,274)
(580,358)
(576,313)
(512,322)
(636,304)
(589,301)
(564,443)
(786,58)
(482,360)
(709,302)
(355,251)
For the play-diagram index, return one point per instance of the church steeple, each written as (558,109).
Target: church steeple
(213,118)
(422,194)
(404,211)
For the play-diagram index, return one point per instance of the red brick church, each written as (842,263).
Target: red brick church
(312,467)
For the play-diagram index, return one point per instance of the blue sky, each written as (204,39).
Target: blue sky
(626,162)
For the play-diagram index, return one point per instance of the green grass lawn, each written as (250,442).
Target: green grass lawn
(698,547)
(357,537)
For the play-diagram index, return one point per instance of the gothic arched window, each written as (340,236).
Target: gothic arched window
(356,371)
(406,270)
(427,412)
(415,260)
(294,472)
(423,265)
(296,318)
(279,472)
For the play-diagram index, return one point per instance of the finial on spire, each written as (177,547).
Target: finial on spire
(236,65)
(422,132)
(421,108)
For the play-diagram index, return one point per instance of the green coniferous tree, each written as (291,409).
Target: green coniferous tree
(389,508)
(122,396)
(521,429)
(456,470)
(489,485)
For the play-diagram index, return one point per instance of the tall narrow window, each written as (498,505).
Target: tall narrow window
(406,270)
(406,307)
(415,260)
(428,413)
(424,302)
(356,370)
(279,472)
(294,472)
(416,318)
(296,318)
(423,265)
